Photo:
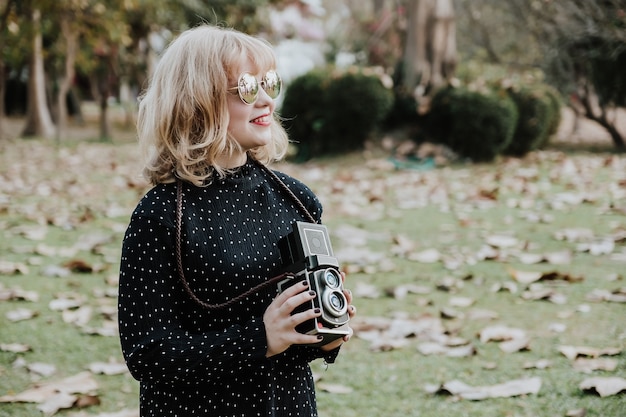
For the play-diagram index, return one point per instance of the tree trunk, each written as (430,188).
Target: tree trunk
(591,108)
(105,125)
(2,93)
(65,83)
(38,118)
(6,11)
(430,50)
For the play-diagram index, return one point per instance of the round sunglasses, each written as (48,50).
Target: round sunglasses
(248,86)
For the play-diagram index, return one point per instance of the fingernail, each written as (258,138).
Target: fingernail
(320,337)
(317,311)
(312,293)
(305,283)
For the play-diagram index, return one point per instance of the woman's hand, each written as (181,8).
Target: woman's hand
(280,324)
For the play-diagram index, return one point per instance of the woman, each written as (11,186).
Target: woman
(207,125)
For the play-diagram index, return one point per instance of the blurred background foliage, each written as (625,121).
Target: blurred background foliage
(353,69)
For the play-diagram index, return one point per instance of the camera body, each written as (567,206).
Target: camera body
(306,253)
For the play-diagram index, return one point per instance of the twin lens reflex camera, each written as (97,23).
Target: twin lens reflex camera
(306,253)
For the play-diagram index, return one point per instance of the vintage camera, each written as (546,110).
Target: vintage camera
(307,254)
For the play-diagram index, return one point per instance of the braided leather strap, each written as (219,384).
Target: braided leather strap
(178,244)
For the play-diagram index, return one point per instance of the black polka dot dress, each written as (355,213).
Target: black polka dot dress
(194,362)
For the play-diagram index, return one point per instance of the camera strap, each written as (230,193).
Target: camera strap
(178,244)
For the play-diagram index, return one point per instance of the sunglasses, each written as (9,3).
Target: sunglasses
(248,86)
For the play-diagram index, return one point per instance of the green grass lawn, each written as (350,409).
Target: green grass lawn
(72,203)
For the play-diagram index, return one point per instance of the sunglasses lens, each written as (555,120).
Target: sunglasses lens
(248,88)
(272,84)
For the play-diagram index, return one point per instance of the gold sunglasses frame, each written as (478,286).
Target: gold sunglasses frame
(245,89)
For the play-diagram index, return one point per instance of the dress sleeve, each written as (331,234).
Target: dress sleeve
(154,342)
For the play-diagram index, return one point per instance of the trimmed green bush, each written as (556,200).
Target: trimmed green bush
(356,105)
(475,125)
(536,115)
(334,114)
(404,110)
(303,110)
(556,103)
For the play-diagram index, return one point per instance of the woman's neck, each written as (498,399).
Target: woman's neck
(232,161)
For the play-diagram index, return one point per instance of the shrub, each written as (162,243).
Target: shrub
(403,112)
(303,110)
(536,115)
(356,105)
(556,102)
(474,125)
(334,114)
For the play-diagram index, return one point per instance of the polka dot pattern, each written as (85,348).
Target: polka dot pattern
(194,362)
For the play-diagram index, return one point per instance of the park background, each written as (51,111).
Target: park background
(469,156)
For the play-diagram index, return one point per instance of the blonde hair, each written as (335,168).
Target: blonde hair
(183,115)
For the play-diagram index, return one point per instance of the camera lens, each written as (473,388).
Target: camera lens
(335,302)
(332,278)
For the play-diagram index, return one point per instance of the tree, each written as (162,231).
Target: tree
(70,31)
(6,9)
(430,48)
(38,119)
(584,53)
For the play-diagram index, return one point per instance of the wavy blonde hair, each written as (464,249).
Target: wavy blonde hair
(183,114)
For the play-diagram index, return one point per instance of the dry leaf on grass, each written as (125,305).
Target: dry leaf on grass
(572,352)
(17,294)
(579,412)
(540,364)
(427,256)
(507,389)
(334,388)
(121,413)
(21,314)
(604,386)
(595,364)
(56,402)
(433,348)
(617,296)
(11,268)
(14,347)
(55,395)
(108,368)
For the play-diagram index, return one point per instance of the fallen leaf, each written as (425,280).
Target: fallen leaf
(604,386)
(502,241)
(572,352)
(515,345)
(122,413)
(108,368)
(427,256)
(18,294)
(14,347)
(79,266)
(598,295)
(81,383)
(540,364)
(11,268)
(512,388)
(433,348)
(500,332)
(334,388)
(56,402)
(40,368)
(595,364)
(20,314)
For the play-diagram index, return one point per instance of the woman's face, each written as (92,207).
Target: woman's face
(250,123)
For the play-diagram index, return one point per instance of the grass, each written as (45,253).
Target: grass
(81,190)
